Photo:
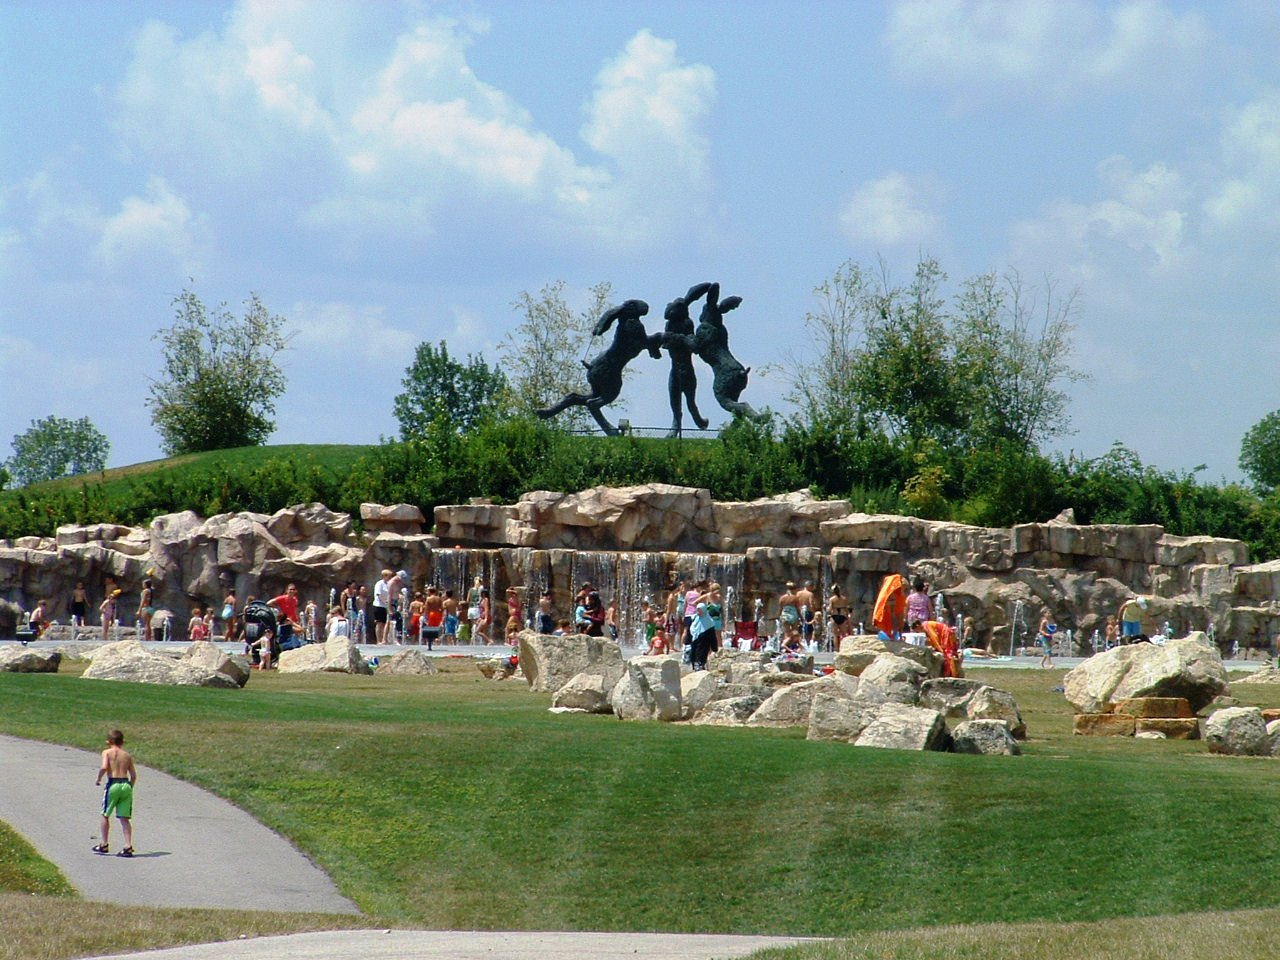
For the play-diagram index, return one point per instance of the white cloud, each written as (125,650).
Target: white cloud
(890,211)
(159,226)
(1249,193)
(403,137)
(982,48)
(334,333)
(649,105)
(1144,213)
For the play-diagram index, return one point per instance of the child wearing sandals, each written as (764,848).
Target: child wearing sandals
(117,767)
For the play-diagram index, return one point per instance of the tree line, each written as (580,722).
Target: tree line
(904,399)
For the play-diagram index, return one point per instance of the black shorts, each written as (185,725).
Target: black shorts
(379,614)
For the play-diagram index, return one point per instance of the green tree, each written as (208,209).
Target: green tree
(438,386)
(56,447)
(1013,348)
(905,378)
(543,357)
(1260,451)
(221,377)
(820,377)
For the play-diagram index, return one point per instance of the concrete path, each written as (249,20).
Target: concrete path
(462,945)
(194,849)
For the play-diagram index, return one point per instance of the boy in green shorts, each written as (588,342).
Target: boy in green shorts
(117,767)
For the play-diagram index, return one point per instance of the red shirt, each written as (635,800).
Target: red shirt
(287,605)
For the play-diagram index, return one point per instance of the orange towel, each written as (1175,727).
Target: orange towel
(891,605)
(943,639)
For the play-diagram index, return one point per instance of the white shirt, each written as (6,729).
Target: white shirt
(382,593)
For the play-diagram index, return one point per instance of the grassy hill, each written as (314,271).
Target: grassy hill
(245,478)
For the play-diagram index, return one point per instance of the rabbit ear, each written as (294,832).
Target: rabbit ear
(696,292)
(730,303)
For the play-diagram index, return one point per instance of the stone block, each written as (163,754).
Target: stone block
(1181,728)
(1104,725)
(1155,707)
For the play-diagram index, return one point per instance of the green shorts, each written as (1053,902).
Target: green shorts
(118,799)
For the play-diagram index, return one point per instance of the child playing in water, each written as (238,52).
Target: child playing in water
(197,629)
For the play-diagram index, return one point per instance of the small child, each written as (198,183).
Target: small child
(563,628)
(658,644)
(513,630)
(197,628)
(650,617)
(117,766)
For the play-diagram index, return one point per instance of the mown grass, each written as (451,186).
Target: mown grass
(22,870)
(332,458)
(454,802)
(45,928)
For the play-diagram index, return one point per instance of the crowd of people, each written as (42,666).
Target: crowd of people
(691,622)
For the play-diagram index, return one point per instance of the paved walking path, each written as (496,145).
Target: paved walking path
(194,849)
(473,945)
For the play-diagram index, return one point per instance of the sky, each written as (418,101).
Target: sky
(383,174)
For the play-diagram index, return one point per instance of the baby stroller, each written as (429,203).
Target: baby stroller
(260,627)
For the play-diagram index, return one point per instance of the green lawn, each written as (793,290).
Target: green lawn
(333,458)
(450,801)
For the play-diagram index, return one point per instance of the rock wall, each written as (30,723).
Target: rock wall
(635,542)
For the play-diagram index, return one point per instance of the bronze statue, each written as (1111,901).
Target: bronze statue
(683,380)
(604,372)
(710,341)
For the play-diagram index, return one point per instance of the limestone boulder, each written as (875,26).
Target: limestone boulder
(991,703)
(338,655)
(834,716)
(15,658)
(549,662)
(857,653)
(729,712)
(950,696)
(1239,731)
(771,678)
(987,737)
(723,661)
(896,678)
(1190,668)
(1273,738)
(587,691)
(697,689)
(1266,675)
(407,663)
(396,518)
(652,516)
(790,706)
(130,662)
(648,690)
(792,520)
(206,656)
(900,726)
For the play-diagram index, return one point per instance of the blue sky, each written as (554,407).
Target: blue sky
(383,174)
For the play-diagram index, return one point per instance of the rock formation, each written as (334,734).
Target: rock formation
(634,542)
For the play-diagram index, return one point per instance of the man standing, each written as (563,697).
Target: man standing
(1131,619)
(287,604)
(117,766)
(434,612)
(807,603)
(381,606)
